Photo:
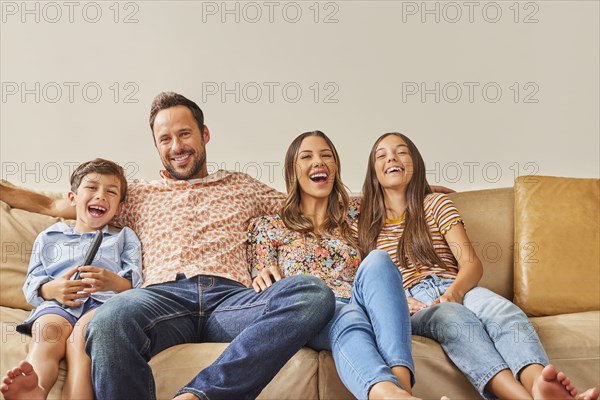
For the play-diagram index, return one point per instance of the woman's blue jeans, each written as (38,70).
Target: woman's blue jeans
(482,336)
(265,330)
(370,334)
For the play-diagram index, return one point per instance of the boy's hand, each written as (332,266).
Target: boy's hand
(64,290)
(98,279)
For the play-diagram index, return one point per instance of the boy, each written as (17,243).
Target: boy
(64,306)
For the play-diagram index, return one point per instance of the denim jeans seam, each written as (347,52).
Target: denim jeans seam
(156,321)
(526,363)
(483,381)
(409,364)
(363,383)
(261,303)
(196,392)
(374,381)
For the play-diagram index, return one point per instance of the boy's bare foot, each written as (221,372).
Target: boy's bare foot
(590,394)
(22,383)
(552,384)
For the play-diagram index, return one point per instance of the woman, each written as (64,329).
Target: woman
(369,334)
(424,234)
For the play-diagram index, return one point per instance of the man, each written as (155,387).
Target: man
(193,228)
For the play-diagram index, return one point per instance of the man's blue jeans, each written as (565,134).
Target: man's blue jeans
(265,330)
(482,336)
(372,333)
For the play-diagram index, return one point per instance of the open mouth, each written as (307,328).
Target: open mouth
(96,211)
(319,177)
(181,158)
(391,170)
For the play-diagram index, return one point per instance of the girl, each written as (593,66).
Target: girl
(424,234)
(369,334)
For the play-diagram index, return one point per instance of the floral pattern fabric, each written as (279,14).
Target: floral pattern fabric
(327,257)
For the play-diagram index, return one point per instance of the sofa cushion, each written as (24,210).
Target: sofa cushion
(18,230)
(296,380)
(557,268)
(489,224)
(572,342)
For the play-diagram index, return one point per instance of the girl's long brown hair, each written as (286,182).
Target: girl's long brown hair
(415,244)
(337,206)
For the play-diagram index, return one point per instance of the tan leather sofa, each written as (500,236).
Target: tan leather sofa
(539,243)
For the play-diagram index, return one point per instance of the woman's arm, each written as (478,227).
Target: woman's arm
(262,253)
(37,203)
(470,269)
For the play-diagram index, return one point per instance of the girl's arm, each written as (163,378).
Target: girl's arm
(470,269)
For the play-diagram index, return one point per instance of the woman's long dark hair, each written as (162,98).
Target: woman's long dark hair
(415,244)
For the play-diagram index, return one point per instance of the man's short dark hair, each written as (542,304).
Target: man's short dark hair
(99,166)
(166,100)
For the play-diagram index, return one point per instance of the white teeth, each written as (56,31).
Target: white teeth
(181,158)
(393,169)
(98,208)
(319,175)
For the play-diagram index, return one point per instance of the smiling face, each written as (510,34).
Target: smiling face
(180,143)
(393,163)
(316,167)
(96,201)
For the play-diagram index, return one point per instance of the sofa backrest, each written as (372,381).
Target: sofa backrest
(488,216)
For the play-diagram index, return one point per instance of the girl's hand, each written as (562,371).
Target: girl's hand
(64,290)
(263,279)
(449,297)
(98,279)
(415,305)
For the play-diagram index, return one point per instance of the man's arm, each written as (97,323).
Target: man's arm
(35,202)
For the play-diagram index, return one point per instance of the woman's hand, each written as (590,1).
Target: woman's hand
(266,277)
(64,290)
(415,305)
(98,279)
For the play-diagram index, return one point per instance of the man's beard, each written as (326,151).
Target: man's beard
(196,167)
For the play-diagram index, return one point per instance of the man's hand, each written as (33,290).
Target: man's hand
(415,305)
(64,290)
(98,279)
(266,277)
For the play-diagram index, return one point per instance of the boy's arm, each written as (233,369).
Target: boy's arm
(36,202)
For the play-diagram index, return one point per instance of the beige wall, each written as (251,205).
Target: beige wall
(78,78)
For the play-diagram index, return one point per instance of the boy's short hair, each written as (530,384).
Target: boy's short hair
(99,166)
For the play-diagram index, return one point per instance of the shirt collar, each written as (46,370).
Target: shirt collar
(70,229)
(215,176)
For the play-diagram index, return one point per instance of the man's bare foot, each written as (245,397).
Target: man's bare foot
(590,394)
(22,383)
(552,384)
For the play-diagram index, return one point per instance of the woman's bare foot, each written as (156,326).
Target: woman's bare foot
(387,390)
(22,383)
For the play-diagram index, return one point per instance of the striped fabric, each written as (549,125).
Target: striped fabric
(441,215)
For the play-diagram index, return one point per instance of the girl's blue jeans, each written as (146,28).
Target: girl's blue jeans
(482,336)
